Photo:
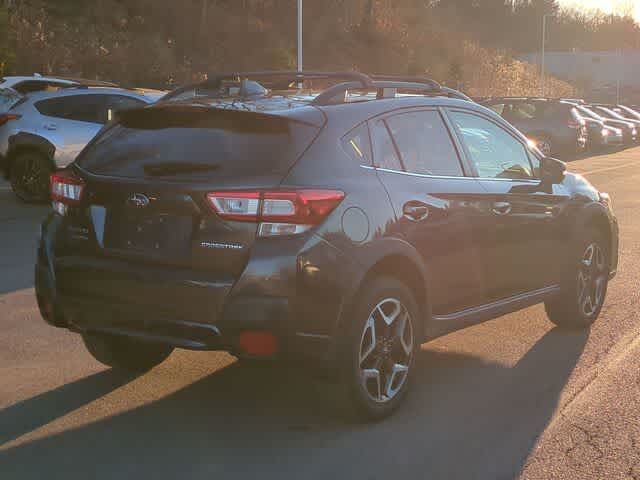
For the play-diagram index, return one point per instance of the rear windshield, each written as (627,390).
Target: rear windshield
(230,142)
(8,98)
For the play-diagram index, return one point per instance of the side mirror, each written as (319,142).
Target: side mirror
(552,170)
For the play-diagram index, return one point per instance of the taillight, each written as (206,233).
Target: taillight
(7,117)
(278,212)
(66,190)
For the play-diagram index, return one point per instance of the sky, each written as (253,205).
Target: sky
(607,5)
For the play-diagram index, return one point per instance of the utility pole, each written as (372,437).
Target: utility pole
(619,80)
(299,35)
(542,60)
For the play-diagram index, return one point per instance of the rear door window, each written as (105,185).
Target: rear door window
(498,108)
(424,144)
(81,108)
(524,111)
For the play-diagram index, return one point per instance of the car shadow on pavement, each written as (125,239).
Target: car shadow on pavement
(28,415)
(466,418)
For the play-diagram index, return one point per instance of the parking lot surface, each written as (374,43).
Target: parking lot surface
(512,398)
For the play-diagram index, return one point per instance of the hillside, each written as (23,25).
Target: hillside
(162,43)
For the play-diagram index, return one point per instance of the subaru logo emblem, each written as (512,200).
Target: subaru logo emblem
(138,200)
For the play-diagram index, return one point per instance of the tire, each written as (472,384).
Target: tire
(29,176)
(369,395)
(125,353)
(584,287)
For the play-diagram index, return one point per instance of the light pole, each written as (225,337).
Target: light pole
(299,35)
(542,60)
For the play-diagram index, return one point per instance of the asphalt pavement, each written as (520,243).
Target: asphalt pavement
(512,398)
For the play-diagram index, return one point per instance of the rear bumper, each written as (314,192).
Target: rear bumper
(190,309)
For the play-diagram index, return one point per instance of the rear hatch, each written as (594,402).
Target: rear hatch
(145,201)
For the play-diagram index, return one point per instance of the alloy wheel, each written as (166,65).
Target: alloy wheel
(592,280)
(386,350)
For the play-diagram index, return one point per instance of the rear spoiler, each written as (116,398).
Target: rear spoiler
(186,115)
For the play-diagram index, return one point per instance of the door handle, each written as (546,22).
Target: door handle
(415,211)
(51,126)
(502,208)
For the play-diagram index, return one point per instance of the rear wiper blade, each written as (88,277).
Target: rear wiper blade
(171,168)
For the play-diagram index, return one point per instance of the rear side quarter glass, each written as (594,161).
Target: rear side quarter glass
(357,144)
(385,155)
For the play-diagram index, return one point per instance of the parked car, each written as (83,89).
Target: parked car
(609,112)
(629,130)
(553,125)
(626,111)
(340,229)
(600,134)
(45,131)
(37,83)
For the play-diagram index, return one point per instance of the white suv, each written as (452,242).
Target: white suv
(45,131)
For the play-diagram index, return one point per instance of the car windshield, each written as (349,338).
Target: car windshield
(8,98)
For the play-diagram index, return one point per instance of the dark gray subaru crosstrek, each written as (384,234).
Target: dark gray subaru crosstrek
(341,228)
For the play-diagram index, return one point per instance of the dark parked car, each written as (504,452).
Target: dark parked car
(600,135)
(338,229)
(608,111)
(629,129)
(626,111)
(553,125)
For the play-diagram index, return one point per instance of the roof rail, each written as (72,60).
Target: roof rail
(387,89)
(87,82)
(215,80)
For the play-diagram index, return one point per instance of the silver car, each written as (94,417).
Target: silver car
(37,83)
(45,131)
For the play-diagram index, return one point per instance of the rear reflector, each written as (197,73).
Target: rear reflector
(279,212)
(66,190)
(258,343)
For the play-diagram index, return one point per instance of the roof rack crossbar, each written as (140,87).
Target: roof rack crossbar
(215,80)
(293,75)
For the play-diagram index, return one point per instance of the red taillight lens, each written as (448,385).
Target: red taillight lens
(280,212)
(66,190)
(7,117)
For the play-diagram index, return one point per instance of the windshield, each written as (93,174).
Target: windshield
(8,98)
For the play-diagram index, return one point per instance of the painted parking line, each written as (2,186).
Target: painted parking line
(617,167)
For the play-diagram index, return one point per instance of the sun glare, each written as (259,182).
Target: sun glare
(608,6)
